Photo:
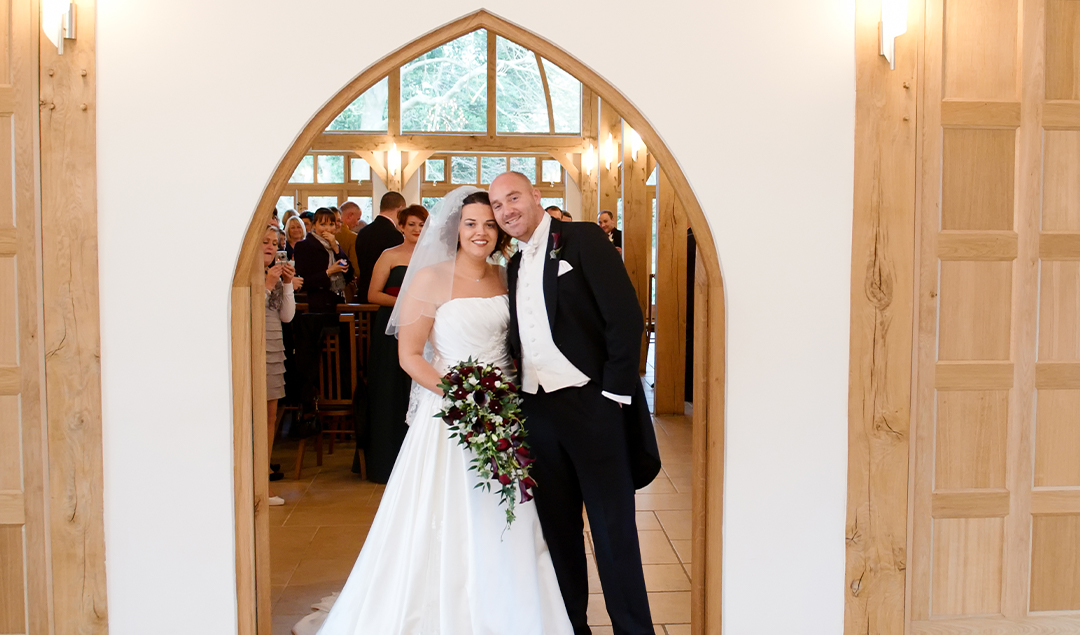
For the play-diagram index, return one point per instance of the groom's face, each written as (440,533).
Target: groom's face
(516,205)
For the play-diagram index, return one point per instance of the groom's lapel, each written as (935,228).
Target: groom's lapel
(551,271)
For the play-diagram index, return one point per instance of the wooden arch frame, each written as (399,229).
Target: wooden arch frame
(248,356)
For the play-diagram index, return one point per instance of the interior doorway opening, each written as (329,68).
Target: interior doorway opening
(606,162)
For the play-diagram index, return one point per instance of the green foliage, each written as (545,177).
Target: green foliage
(445,90)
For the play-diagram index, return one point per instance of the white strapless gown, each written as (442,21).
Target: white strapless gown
(437,560)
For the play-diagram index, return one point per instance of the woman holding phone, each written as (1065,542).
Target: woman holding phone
(281,282)
(322,263)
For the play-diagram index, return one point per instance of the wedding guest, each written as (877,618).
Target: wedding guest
(381,234)
(566,217)
(346,237)
(323,265)
(309,220)
(554,211)
(388,385)
(280,307)
(606,221)
(360,224)
(352,216)
(295,231)
(337,218)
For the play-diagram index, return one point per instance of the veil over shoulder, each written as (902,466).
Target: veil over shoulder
(429,280)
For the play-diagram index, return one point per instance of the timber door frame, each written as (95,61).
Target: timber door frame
(248,334)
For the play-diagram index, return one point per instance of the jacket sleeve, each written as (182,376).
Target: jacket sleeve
(311,265)
(624,324)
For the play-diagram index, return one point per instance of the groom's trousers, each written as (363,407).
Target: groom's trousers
(578,438)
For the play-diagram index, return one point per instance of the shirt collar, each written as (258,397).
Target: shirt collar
(538,240)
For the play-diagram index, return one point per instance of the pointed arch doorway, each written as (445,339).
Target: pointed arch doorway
(247,331)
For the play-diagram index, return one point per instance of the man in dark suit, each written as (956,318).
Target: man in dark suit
(380,234)
(575,330)
(606,221)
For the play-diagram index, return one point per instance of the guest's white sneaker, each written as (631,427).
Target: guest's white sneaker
(274,501)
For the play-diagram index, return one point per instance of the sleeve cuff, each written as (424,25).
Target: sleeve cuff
(623,399)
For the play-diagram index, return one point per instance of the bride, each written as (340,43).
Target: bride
(438,559)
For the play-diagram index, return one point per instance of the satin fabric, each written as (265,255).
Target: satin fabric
(438,559)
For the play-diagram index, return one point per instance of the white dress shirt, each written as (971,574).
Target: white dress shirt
(544,364)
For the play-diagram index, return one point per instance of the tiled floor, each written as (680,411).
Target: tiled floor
(316,536)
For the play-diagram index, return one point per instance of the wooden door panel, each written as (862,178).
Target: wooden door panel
(976,299)
(977,178)
(1055,572)
(1063,49)
(981,34)
(1061,187)
(1059,310)
(971,438)
(1057,418)
(967,566)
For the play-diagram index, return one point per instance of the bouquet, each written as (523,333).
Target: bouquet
(483,410)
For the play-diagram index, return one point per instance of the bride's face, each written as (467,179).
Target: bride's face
(478,231)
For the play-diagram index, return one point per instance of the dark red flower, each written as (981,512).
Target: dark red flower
(504,479)
(454,378)
(480,397)
(460,393)
(488,382)
(502,445)
(528,482)
(525,495)
(523,459)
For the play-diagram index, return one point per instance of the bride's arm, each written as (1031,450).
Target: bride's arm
(411,339)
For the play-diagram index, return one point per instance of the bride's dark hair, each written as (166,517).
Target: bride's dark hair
(502,240)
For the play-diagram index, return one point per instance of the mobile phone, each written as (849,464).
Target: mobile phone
(343,263)
(281,258)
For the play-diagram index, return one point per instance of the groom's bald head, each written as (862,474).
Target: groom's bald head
(516,204)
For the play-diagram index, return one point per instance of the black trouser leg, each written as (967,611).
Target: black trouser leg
(590,432)
(558,504)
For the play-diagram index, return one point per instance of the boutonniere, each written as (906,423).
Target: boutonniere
(556,248)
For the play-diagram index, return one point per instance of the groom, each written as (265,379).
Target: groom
(575,330)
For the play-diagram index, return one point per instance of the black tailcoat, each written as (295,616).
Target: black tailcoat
(597,324)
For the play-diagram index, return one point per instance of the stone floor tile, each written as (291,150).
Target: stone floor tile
(678,525)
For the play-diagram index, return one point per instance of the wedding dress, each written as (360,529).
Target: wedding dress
(438,559)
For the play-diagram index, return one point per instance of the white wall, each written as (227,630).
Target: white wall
(755,99)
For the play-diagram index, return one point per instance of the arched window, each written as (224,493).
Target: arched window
(446,91)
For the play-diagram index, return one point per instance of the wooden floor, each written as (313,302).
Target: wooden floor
(316,536)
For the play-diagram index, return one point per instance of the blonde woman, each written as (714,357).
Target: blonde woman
(295,231)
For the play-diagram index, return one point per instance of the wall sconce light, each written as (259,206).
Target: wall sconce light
(393,160)
(609,150)
(635,141)
(893,24)
(58,22)
(589,160)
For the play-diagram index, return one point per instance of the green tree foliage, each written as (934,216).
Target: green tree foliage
(445,90)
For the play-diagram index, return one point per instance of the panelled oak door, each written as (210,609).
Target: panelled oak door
(995,541)
(24,565)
